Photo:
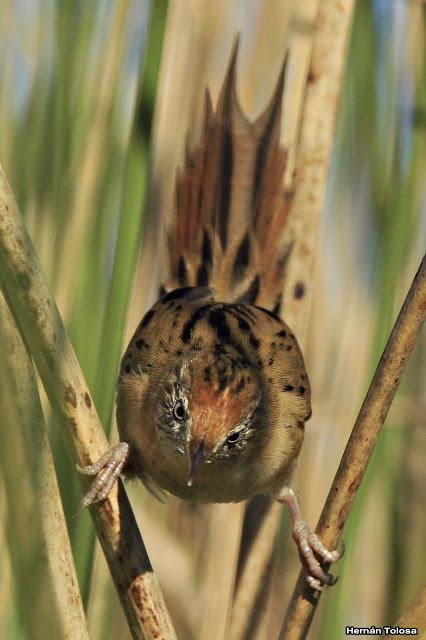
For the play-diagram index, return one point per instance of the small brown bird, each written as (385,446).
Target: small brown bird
(213,394)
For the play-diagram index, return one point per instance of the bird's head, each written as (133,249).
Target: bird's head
(210,407)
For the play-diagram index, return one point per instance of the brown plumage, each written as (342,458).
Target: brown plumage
(213,393)
(230,209)
(235,368)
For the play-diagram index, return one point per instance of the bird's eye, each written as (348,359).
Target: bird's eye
(179,410)
(234,437)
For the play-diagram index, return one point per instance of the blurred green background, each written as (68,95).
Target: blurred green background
(86,158)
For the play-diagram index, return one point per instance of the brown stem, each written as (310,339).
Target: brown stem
(360,446)
(42,329)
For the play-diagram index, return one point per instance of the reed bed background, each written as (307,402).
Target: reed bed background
(92,168)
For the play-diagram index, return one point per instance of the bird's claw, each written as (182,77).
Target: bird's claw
(312,551)
(317,585)
(106,469)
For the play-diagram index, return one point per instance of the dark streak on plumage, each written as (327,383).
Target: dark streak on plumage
(219,349)
(223,380)
(202,276)
(141,344)
(244,310)
(147,317)
(237,313)
(277,307)
(190,324)
(225,182)
(242,259)
(177,294)
(217,319)
(288,387)
(243,325)
(265,142)
(206,251)
(182,272)
(254,342)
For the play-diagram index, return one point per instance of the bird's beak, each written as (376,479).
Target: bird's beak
(195,457)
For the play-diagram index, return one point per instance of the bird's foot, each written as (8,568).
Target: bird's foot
(106,469)
(311,550)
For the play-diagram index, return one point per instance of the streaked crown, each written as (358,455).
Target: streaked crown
(223,393)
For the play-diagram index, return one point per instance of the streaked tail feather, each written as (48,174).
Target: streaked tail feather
(230,207)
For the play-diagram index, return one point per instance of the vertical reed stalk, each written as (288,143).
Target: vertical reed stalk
(40,324)
(40,550)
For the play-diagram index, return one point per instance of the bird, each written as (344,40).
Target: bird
(213,393)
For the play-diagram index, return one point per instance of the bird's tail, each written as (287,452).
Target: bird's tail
(230,207)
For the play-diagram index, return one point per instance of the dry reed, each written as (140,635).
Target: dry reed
(40,324)
(360,446)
